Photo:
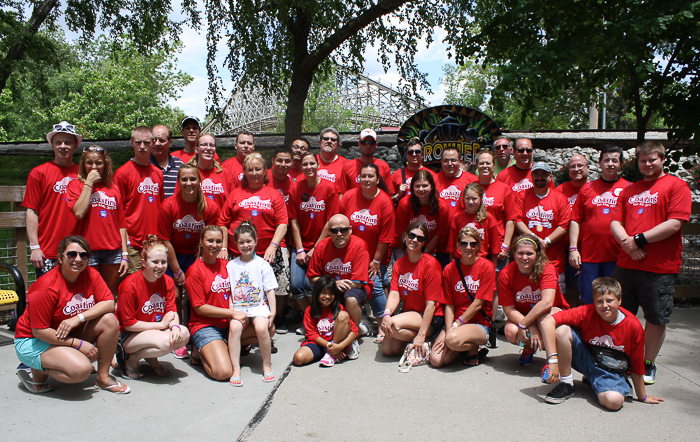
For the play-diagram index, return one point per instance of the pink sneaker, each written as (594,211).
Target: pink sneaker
(327,360)
(181,353)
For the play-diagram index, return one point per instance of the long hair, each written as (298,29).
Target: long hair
(433,200)
(152,244)
(325,283)
(109,165)
(416,225)
(380,181)
(541,260)
(195,159)
(476,187)
(247,163)
(471,231)
(201,200)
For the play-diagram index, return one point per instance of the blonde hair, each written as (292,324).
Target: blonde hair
(471,231)
(540,262)
(482,214)
(109,165)
(195,159)
(152,244)
(255,156)
(201,200)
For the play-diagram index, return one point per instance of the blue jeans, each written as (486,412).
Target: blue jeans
(588,272)
(601,380)
(299,284)
(378,301)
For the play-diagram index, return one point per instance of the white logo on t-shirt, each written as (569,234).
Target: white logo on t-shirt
(155,304)
(524,184)
(189,223)
(406,281)
(220,284)
(78,304)
(365,217)
(147,186)
(100,199)
(326,175)
(211,188)
(527,295)
(60,186)
(313,205)
(338,266)
(606,341)
(645,198)
(255,202)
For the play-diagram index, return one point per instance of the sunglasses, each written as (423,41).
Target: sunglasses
(329,139)
(524,150)
(419,238)
(73,254)
(471,244)
(60,127)
(500,146)
(368,143)
(414,152)
(337,230)
(93,149)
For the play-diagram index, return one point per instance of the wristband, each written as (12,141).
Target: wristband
(505,247)
(178,274)
(125,259)
(224,249)
(460,320)
(82,317)
(386,314)
(521,327)
(547,241)
(72,342)
(455,324)
(645,398)
(275,244)
(125,253)
(300,251)
(81,344)
(553,361)
(640,240)
(374,261)
(573,249)
(178,327)
(36,247)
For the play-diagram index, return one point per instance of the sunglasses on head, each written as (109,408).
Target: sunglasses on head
(471,244)
(336,230)
(419,238)
(414,152)
(524,150)
(61,127)
(333,139)
(93,149)
(73,254)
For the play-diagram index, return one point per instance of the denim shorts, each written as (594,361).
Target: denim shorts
(601,380)
(29,351)
(105,257)
(205,335)
(184,260)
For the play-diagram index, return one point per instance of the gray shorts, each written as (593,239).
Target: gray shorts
(653,292)
(105,257)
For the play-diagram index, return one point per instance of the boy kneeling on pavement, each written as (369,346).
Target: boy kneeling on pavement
(603,342)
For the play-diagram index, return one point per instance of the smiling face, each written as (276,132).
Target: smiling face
(651,165)
(414,156)
(206,148)
(63,146)
(606,305)
(415,239)
(190,131)
(485,165)
(189,183)
(245,145)
(468,246)
(255,174)
(472,202)
(282,163)
(309,165)
(161,142)
(450,163)
(246,244)
(299,147)
(329,143)
(95,161)
(71,262)
(610,165)
(525,257)
(578,169)
(541,178)
(368,179)
(523,153)
(155,263)
(326,298)
(211,243)
(422,189)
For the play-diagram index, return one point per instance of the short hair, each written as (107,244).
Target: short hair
(73,239)
(282,149)
(329,129)
(205,230)
(485,152)
(459,154)
(611,148)
(141,130)
(414,141)
(604,285)
(503,137)
(649,147)
(308,145)
(168,130)
(245,132)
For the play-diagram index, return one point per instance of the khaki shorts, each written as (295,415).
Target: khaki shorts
(134,259)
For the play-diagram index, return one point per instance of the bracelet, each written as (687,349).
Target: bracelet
(573,249)
(88,185)
(374,261)
(72,342)
(275,244)
(551,355)
(505,247)
(224,249)
(36,247)
(81,344)
(176,275)
(521,327)
(553,361)
(645,398)
(82,317)
(178,327)
(125,259)
(461,320)
(547,241)
(300,251)
(640,240)
(386,314)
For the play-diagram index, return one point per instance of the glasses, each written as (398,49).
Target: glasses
(414,152)
(368,143)
(212,145)
(93,149)
(419,238)
(500,146)
(300,147)
(73,254)
(524,150)
(63,127)
(337,230)
(471,244)
(329,139)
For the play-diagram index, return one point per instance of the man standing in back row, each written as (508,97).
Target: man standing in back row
(350,176)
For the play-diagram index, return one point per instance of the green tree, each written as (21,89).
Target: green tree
(645,50)
(281,46)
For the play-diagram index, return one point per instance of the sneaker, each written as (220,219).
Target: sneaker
(301,331)
(649,373)
(526,357)
(365,327)
(560,393)
(500,315)
(281,327)
(327,360)
(181,353)
(492,342)
(354,351)
(273,347)
(545,374)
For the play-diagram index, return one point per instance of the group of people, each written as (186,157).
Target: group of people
(436,256)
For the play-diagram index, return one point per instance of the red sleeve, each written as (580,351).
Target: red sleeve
(680,202)
(510,205)
(506,297)
(447,293)
(573,316)
(402,216)
(165,221)
(75,187)
(226,215)
(128,298)
(387,221)
(360,264)
(280,208)
(121,215)
(432,281)
(315,267)
(394,287)
(41,306)
(577,212)
(488,281)
(494,235)
(170,295)
(518,214)
(311,326)
(333,207)
(195,286)
(293,206)
(343,183)
(621,207)
(211,213)
(549,279)
(564,213)
(33,194)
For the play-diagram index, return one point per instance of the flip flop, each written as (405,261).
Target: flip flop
(269,377)
(31,386)
(160,371)
(236,382)
(117,388)
(379,339)
(478,358)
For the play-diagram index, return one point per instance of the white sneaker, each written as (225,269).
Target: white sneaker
(301,331)
(327,360)
(354,351)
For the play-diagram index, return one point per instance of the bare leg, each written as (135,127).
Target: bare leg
(216,360)
(235,331)
(342,327)
(443,357)
(110,273)
(264,342)
(354,309)
(655,335)
(104,332)
(564,351)
(303,356)
(612,400)
(64,364)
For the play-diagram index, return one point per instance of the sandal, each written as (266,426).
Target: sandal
(31,386)
(269,377)
(379,339)
(117,388)
(236,382)
(477,359)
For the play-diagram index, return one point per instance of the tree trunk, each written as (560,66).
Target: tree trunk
(16,51)
(294,116)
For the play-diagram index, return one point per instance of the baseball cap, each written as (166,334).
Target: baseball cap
(368,133)
(195,119)
(542,166)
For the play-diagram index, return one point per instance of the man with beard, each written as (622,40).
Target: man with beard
(299,147)
(330,164)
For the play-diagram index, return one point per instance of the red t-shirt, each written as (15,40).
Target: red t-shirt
(626,336)
(543,216)
(180,223)
(285,188)
(207,284)
(142,190)
(332,171)
(186,157)
(350,262)
(593,213)
(216,186)
(488,230)
(264,206)
(481,283)
(450,191)
(517,179)
(570,191)
(372,220)
(320,205)
(100,225)
(51,300)
(437,223)
(350,176)
(322,327)
(45,194)
(417,283)
(500,202)
(235,169)
(140,300)
(517,290)
(397,178)
(296,174)
(646,204)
